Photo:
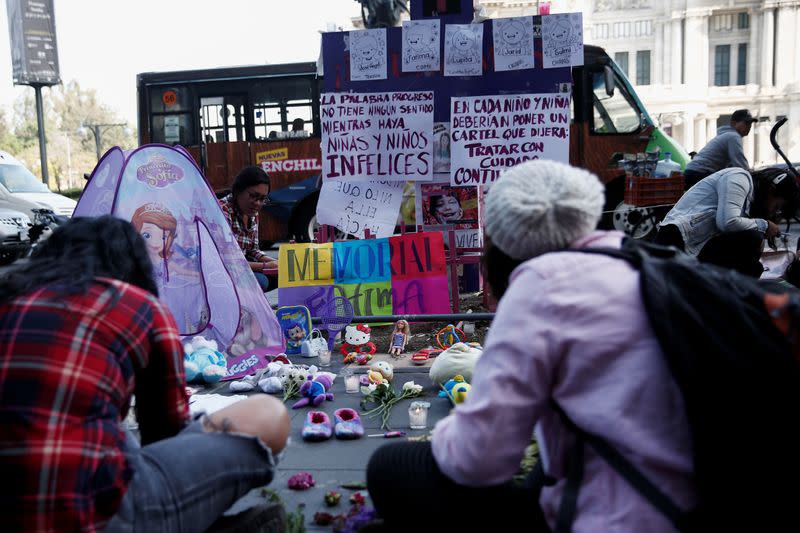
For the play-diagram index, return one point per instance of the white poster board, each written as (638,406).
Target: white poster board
(562,40)
(421,39)
(368,55)
(513,43)
(463,50)
(353,206)
(491,133)
(377,136)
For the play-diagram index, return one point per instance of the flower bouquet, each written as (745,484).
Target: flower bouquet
(386,397)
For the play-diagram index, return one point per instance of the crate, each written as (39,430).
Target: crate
(645,191)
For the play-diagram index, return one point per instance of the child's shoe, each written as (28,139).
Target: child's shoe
(348,424)
(317,426)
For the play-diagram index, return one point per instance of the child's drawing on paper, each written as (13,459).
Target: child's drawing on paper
(420,45)
(368,55)
(463,52)
(562,40)
(513,43)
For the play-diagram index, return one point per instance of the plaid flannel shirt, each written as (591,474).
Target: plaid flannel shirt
(246,235)
(68,367)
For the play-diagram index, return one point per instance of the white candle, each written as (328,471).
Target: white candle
(324,358)
(418,415)
(351,383)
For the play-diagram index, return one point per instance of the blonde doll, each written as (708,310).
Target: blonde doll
(399,338)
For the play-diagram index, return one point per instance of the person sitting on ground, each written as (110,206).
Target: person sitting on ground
(725,218)
(584,342)
(82,330)
(241,207)
(723,151)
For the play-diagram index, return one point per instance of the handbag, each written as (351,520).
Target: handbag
(314,344)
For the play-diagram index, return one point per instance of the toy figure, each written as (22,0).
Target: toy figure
(356,339)
(455,387)
(315,391)
(380,372)
(203,362)
(358,358)
(399,338)
(295,335)
(450,335)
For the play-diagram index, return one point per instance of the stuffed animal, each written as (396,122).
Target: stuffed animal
(459,392)
(358,358)
(356,339)
(383,368)
(448,386)
(315,391)
(203,362)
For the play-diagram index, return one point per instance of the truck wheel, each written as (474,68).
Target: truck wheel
(636,222)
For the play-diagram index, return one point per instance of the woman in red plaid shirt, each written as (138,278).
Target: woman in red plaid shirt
(241,207)
(81,331)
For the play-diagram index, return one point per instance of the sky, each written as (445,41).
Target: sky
(104,44)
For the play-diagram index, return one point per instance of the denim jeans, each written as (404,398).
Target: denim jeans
(267,283)
(184,483)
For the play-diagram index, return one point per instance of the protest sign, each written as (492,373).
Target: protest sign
(562,40)
(368,55)
(463,50)
(513,43)
(420,45)
(377,136)
(353,207)
(399,275)
(491,133)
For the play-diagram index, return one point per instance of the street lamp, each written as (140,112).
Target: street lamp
(96,130)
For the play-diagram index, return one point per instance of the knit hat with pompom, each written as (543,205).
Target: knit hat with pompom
(541,206)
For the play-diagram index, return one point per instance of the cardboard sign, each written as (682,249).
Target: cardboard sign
(399,275)
(377,136)
(353,207)
(491,133)
(305,265)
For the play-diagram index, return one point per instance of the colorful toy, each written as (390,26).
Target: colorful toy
(450,335)
(459,392)
(458,359)
(423,355)
(315,391)
(399,338)
(356,339)
(383,369)
(203,362)
(295,321)
(449,385)
(358,358)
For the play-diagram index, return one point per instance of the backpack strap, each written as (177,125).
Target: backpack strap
(622,466)
(569,497)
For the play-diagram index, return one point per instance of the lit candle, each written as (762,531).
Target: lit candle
(324,358)
(418,415)
(351,381)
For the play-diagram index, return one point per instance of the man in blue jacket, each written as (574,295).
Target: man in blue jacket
(723,151)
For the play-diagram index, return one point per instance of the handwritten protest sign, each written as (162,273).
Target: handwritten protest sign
(354,207)
(562,40)
(368,55)
(513,43)
(399,275)
(420,45)
(491,133)
(463,49)
(377,136)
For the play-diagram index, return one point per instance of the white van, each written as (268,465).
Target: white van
(19,182)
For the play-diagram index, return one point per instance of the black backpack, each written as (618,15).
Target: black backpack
(733,347)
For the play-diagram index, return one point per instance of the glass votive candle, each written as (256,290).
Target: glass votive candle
(324,358)
(351,381)
(418,415)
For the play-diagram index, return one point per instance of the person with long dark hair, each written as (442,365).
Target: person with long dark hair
(725,218)
(241,207)
(82,331)
(570,333)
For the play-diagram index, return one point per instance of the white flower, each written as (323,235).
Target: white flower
(410,386)
(368,389)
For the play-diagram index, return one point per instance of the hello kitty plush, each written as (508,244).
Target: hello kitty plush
(356,339)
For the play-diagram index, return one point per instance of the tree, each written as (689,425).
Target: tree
(71,150)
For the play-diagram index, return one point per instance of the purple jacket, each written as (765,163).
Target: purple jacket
(572,327)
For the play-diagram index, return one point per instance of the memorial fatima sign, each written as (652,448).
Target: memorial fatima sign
(34,53)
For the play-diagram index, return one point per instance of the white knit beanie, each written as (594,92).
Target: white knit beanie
(540,206)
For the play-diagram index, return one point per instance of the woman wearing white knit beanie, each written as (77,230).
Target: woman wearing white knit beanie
(570,328)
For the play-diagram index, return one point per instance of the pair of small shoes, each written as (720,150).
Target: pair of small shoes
(318,425)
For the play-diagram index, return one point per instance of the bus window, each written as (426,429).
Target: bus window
(612,114)
(222,119)
(171,119)
(300,116)
(267,120)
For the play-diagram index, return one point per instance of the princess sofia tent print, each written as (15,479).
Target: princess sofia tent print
(513,43)
(463,50)
(420,48)
(368,55)
(201,273)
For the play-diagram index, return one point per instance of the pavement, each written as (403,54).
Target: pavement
(334,462)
